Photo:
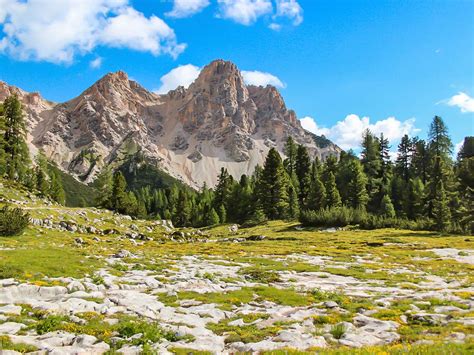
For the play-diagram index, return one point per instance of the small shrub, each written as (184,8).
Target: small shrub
(13,221)
(338,331)
(49,324)
(151,332)
(259,275)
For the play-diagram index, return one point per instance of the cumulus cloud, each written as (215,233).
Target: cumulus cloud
(186,8)
(245,12)
(348,132)
(183,75)
(259,78)
(57,31)
(96,63)
(291,10)
(461,100)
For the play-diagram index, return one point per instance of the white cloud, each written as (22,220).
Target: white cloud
(245,12)
(186,8)
(290,9)
(461,100)
(96,63)
(183,75)
(57,31)
(259,78)
(274,26)
(348,133)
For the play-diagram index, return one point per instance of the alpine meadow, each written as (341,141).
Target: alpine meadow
(149,205)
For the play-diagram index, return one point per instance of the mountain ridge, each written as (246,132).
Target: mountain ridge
(216,122)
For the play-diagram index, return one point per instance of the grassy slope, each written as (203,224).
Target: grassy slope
(41,252)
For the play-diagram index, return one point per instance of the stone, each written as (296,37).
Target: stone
(330,304)
(10,309)
(11,327)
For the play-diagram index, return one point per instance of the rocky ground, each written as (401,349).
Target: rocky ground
(86,281)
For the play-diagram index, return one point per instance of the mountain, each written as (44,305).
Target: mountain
(188,133)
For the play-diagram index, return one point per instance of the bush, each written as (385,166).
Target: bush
(13,221)
(333,217)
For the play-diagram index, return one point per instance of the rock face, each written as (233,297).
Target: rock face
(189,133)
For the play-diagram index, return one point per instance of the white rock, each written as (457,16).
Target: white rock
(10,309)
(11,327)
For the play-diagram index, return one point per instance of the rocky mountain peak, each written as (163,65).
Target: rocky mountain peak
(190,133)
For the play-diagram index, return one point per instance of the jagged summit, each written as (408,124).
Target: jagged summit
(190,133)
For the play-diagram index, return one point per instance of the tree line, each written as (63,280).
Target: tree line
(15,160)
(423,188)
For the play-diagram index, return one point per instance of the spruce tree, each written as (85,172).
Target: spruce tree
(441,212)
(386,207)
(182,214)
(119,198)
(333,199)
(16,151)
(357,192)
(421,160)
(273,187)
(303,167)
(317,191)
(3,161)
(104,184)
(440,144)
(403,161)
(293,207)
(414,200)
(290,150)
(56,191)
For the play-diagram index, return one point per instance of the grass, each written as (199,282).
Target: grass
(338,330)
(403,261)
(244,333)
(6,344)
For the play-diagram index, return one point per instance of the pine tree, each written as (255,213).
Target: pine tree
(182,214)
(293,207)
(403,161)
(441,212)
(371,159)
(104,183)
(119,198)
(42,183)
(414,201)
(16,151)
(222,213)
(386,207)
(465,178)
(317,191)
(439,142)
(212,218)
(56,191)
(223,190)
(3,161)
(273,187)
(421,160)
(333,199)
(290,150)
(357,192)
(303,167)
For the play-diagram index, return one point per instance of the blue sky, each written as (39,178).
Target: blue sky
(342,66)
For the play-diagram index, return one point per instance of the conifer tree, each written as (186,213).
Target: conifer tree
(290,151)
(182,214)
(317,191)
(403,161)
(441,212)
(414,200)
(440,144)
(303,167)
(3,162)
(56,191)
(333,199)
(357,192)
(386,207)
(421,160)
(118,197)
(293,207)
(273,187)
(104,183)
(16,151)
